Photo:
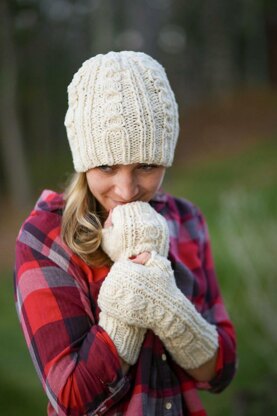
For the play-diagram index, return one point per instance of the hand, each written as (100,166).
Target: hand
(133,228)
(129,292)
(127,338)
(147,296)
(141,258)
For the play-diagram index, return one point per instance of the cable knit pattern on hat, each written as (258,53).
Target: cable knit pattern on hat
(136,227)
(147,297)
(121,110)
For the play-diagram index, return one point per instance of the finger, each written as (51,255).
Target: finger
(141,258)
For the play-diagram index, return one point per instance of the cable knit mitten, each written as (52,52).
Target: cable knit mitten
(136,227)
(147,296)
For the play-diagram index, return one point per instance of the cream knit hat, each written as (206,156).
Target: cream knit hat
(121,110)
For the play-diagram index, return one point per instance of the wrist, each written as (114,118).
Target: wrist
(187,328)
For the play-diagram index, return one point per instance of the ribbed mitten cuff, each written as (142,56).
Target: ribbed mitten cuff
(127,339)
(194,345)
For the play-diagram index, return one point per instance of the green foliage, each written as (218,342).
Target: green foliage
(20,390)
(238,198)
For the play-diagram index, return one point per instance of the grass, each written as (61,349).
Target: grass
(238,198)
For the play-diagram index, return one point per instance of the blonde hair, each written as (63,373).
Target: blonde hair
(82,222)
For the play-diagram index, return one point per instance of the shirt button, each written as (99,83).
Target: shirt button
(168,405)
(163,357)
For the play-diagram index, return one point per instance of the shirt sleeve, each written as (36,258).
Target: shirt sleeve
(214,311)
(76,361)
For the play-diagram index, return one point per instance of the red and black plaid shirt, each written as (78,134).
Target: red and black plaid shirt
(56,297)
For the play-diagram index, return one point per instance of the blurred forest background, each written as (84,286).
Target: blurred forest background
(221,59)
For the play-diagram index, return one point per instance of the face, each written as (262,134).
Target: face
(120,184)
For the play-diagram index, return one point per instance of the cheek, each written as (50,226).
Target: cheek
(98,189)
(90,183)
(158,180)
(92,188)
(153,184)
(96,185)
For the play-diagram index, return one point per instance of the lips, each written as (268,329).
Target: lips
(118,204)
(124,202)
(114,202)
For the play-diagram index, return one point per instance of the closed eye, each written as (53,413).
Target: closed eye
(147,168)
(106,168)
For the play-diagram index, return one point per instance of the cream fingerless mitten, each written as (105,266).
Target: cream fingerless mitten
(136,227)
(147,296)
(127,339)
(191,340)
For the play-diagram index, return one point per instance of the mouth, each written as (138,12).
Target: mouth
(116,203)
(121,202)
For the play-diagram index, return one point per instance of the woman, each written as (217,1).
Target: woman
(115,323)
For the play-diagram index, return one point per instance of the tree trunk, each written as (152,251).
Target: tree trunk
(219,71)
(11,140)
(102,27)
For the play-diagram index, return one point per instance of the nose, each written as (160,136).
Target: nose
(126,187)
